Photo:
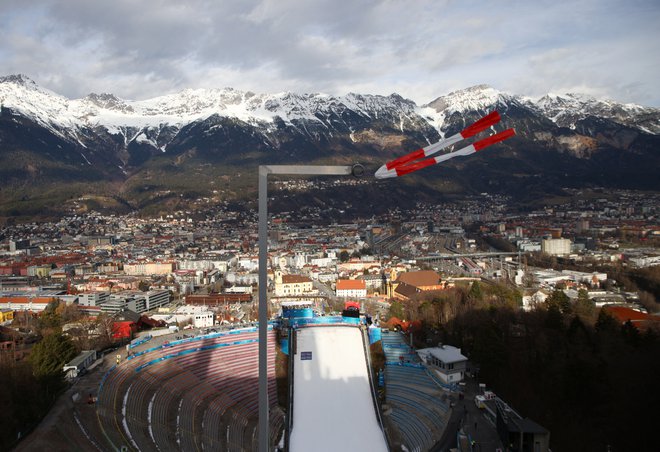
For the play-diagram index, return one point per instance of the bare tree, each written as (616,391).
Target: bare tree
(104,329)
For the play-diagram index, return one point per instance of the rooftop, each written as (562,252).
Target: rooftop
(351,284)
(445,353)
(420,278)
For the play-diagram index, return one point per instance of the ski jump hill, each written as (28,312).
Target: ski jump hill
(333,406)
(332,399)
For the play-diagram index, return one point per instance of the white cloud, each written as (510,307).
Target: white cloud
(420,49)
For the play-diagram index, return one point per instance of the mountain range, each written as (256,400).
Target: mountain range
(103,151)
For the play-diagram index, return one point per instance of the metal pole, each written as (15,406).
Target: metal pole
(356,170)
(263,310)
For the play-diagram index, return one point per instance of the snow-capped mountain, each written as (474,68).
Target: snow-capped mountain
(21,95)
(47,137)
(563,110)
(567,109)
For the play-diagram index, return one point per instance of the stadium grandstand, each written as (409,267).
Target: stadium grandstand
(198,391)
(195,393)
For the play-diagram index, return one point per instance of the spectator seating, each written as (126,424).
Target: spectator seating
(190,394)
(418,404)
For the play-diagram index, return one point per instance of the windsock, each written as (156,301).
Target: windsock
(413,161)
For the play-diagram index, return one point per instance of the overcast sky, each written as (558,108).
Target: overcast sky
(422,49)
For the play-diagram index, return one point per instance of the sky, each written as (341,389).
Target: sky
(138,49)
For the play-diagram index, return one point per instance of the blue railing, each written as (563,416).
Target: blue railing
(141,340)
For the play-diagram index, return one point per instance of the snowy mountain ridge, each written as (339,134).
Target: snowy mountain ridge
(21,94)
(68,116)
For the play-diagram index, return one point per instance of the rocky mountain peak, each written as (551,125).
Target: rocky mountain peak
(18,79)
(478,97)
(109,102)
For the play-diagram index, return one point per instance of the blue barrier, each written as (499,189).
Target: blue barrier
(297,313)
(135,342)
(327,320)
(104,377)
(375,334)
(394,363)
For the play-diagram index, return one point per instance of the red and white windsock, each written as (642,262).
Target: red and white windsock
(412,162)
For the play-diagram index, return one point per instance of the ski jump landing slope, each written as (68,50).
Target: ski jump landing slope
(333,407)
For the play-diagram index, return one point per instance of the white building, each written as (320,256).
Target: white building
(323,262)
(556,247)
(446,361)
(195,264)
(528,246)
(351,288)
(200,316)
(530,302)
(248,263)
(241,278)
(239,289)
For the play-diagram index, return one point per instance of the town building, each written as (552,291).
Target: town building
(118,302)
(79,364)
(156,299)
(93,298)
(412,283)
(198,316)
(34,301)
(446,361)
(291,285)
(556,247)
(6,315)
(149,268)
(351,288)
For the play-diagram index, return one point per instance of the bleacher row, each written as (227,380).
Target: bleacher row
(418,404)
(190,395)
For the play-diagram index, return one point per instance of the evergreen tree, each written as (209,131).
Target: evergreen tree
(584,307)
(50,318)
(605,322)
(559,299)
(475,292)
(51,354)
(630,333)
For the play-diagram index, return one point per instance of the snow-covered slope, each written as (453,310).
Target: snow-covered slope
(567,109)
(22,95)
(480,98)
(564,110)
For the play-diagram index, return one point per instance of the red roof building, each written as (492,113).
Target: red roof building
(351,288)
(641,320)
